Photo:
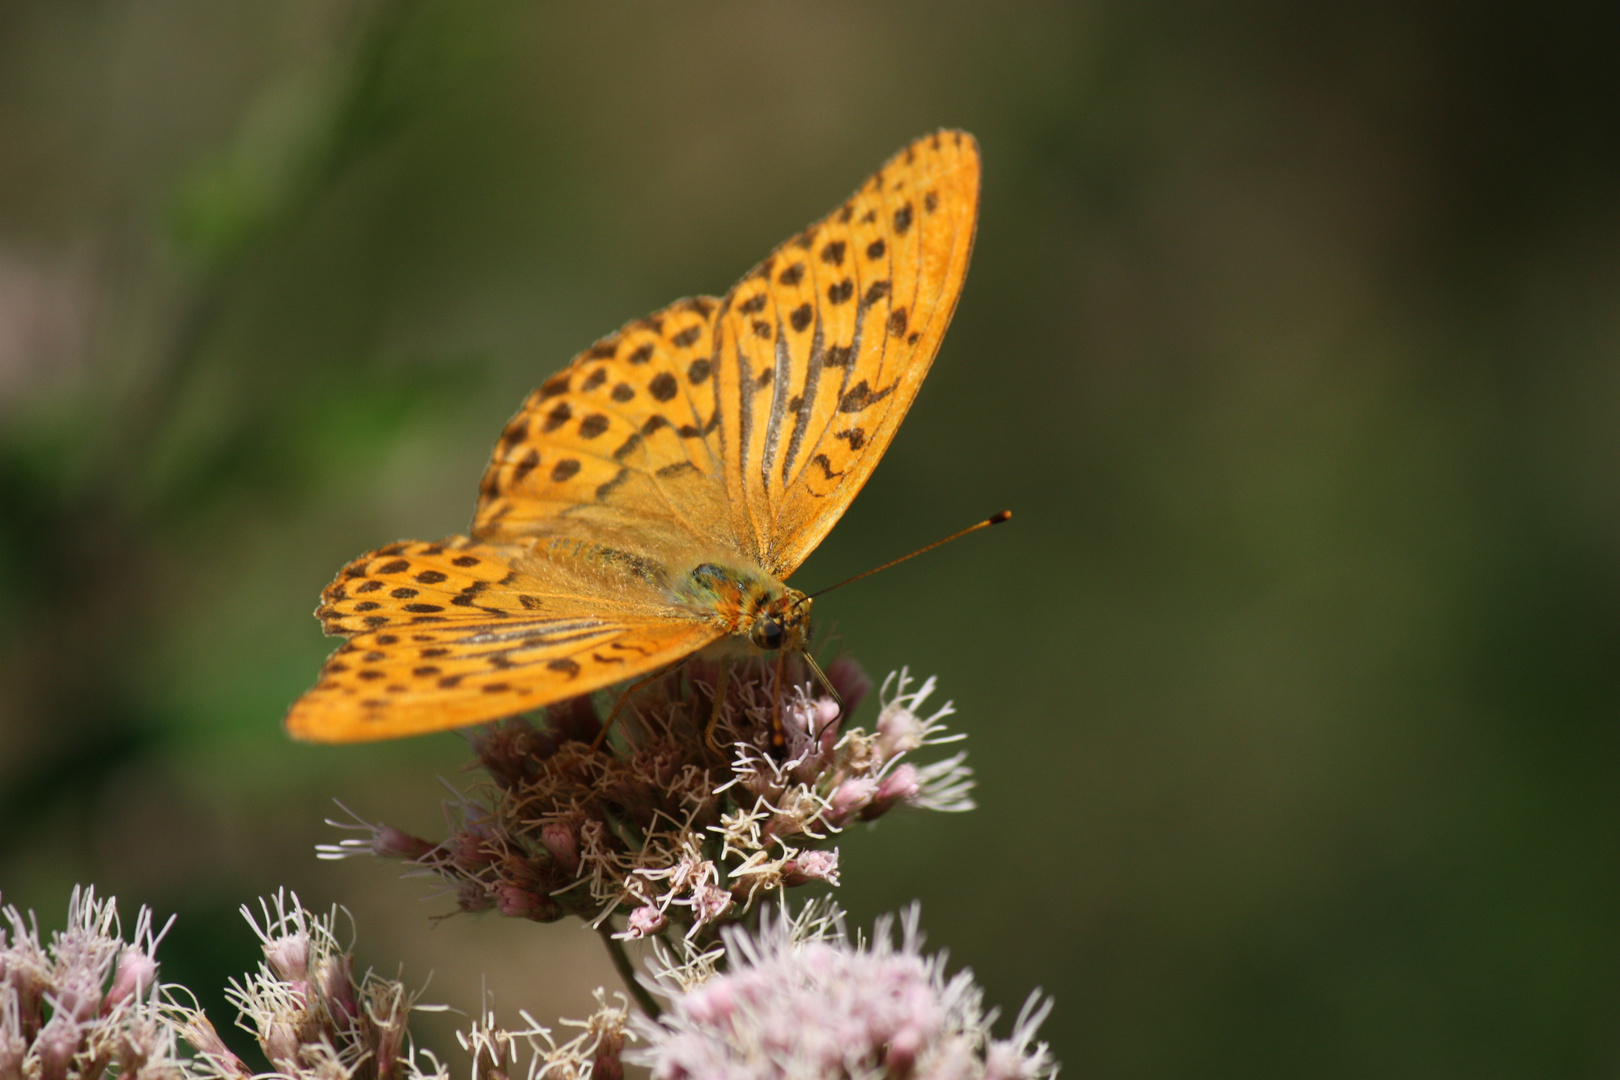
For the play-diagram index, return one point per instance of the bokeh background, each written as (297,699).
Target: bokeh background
(1291,338)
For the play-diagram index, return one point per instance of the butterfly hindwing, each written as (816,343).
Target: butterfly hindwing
(452,633)
(391,683)
(414,583)
(824,345)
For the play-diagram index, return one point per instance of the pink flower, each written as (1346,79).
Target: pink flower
(800,1002)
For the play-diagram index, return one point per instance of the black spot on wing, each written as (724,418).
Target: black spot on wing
(663,387)
(860,396)
(526,465)
(826,466)
(559,415)
(604,490)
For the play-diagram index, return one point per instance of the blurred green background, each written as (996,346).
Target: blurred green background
(1291,340)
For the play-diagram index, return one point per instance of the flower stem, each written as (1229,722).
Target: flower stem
(621,963)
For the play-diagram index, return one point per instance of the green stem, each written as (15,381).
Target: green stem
(627,972)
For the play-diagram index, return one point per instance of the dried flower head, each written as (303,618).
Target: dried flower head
(87,1003)
(313,1019)
(595,1052)
(799,1000)
(656,825)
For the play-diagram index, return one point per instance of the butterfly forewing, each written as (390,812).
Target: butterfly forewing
(823,346)
(622,438)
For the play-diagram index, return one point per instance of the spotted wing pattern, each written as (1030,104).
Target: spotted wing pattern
(750,423)
(455,633)
(619,443)
(742,425)
(823,346)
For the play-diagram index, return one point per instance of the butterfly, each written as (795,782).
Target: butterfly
(651,499)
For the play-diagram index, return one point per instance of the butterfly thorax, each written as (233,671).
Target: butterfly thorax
(747,602)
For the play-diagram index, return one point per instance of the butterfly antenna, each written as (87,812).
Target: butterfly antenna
(995,519)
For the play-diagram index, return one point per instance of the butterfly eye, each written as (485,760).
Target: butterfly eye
(768,634)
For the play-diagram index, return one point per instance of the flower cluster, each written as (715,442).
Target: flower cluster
(312,1018)
(800,1000)
(679,822)
(595,1052)
(88,1002)
(797,999)
(655,824)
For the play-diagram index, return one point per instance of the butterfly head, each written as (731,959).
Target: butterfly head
(783,622)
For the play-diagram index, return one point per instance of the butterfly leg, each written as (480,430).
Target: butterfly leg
(607,725)
(719,700)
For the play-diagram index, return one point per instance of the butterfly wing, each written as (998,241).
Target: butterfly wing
(749,424)
(821,349)
(619,446)
(455,633)
(744,425)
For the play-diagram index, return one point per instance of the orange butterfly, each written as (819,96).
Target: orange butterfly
(650,499)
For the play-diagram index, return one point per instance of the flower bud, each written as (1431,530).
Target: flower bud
(710,903)
(288,957)
(811,866)
(849,797)
(135,975)
(391,843)
(517,902)
(899,730)
(899,786)
(337,988)
(56,1044)
(562,841)
(645,921)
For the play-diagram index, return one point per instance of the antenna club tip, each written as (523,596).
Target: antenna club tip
(997,519)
